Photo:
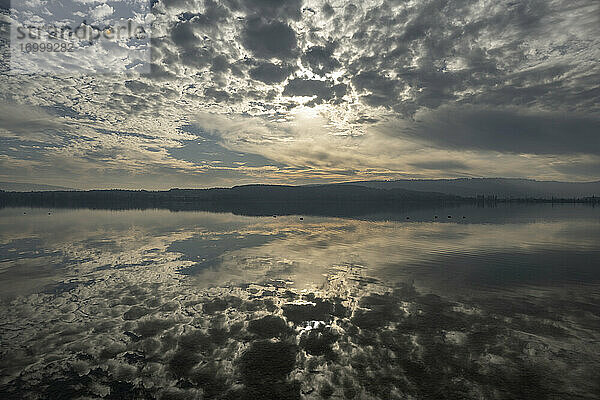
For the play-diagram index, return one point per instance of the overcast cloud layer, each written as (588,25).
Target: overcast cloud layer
(314,91)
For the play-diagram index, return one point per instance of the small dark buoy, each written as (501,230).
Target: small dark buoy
(274,216)
(449,216)
(464,217)
(24,213)
(48,213)
(407,217)
(435,217)
(301,219)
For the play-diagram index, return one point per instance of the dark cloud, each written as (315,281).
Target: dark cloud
(589,169)
(272,9)
(214,14)
(220,96)
(219,64)
(327,10)
(404,59)
(380,90)
(184,35)
(210,20)
(195,51)
(25,121)
(320,59)
(158,72)
(323,90)
(418,45)
(137,86)
(273,39)
(197,37)
(177,4)
(440,165)
(366,120)
(271,73)
(350,11)
(509,131)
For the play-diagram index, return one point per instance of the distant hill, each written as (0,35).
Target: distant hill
(331,192)
(332,199)
(250,198)
(502,187)
(29,187)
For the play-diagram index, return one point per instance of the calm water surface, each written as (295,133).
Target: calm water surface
(491,303)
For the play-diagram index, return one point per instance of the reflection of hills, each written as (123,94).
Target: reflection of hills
(339,200)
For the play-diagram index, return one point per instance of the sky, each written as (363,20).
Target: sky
(297,92)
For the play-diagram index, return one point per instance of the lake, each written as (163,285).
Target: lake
(460,302)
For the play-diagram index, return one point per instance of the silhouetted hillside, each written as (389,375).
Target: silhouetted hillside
(326,200)
(500,187)
(248,199)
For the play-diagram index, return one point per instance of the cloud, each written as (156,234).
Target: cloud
(29,123)
(440,165)
(267,72)
(320,59)
(102,11)
(378,90)
(373,89)
(508,130)
(184,36)
(588,167)
(272,39)
(327,10)
(271,9)
(323,90)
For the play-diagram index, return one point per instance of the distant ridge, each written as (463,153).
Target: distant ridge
(29,187)
(332,199)
(405,189)
(244,193)
(248,198)
(504,188)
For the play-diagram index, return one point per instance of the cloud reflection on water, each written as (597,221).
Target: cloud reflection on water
(286,308)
